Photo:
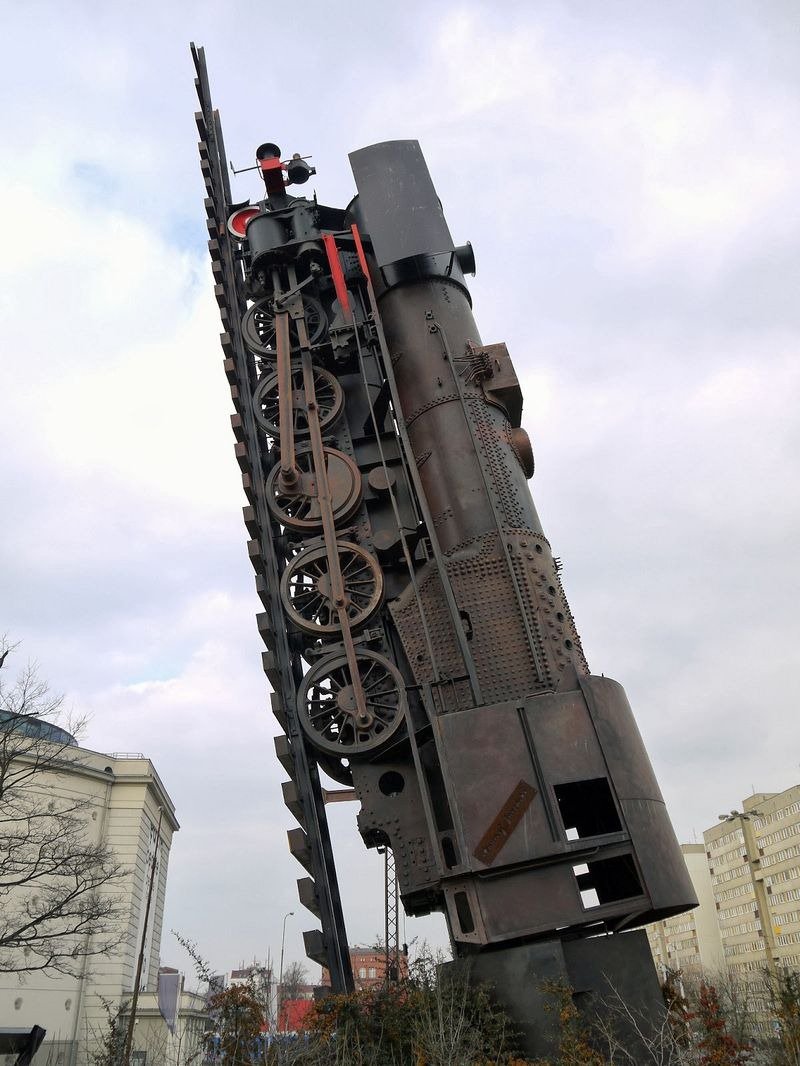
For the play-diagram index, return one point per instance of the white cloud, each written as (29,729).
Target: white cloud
(678,166)
(113,333)
(627,181)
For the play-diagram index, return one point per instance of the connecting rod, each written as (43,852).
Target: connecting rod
(290,473)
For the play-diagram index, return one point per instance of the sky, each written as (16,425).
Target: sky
(627,174)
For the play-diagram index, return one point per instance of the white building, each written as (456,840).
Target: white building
(690,942)
(125,796)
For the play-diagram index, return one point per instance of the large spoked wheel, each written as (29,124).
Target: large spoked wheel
(299,508)
(327,707)
(306,589)
(258,325)
(329,395)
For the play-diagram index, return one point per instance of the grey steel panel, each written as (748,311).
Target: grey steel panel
(398,203)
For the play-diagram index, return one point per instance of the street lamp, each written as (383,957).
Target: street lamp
(280,971)
(763,910)
(746,815)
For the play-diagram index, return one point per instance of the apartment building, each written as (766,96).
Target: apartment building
(690,942)
(777,833)
(747,878)
(754,860)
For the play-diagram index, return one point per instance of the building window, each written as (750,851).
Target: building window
(362,971)
(372,971)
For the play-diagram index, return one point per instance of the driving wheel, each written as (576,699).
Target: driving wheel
(298,507)
(327,706)
(329,397)
(258,325)
(306,588)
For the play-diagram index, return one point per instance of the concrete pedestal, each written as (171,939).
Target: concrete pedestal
(612,978)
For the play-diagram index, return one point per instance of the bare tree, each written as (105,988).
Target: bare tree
(782,990)
(294,978)
(453,1021)
(109,1039)
(202,967)
(626,1037)
(57,900)
(740,1001)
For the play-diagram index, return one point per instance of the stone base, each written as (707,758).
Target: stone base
(613,979)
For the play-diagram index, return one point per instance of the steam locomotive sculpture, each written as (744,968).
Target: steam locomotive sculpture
(420,647)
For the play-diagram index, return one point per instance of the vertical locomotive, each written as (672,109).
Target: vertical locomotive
(420,647)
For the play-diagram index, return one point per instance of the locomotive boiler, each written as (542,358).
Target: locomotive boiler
(419,644)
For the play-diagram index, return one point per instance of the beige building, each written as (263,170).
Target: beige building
(690,942)
(754,859)
(747,879)
(125,795)
(154,1044)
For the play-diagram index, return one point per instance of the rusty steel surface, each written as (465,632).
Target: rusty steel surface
(297,507)
(508,818)
(307,591)
(420,645)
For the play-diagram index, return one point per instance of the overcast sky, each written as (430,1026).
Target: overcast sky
(628,175)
